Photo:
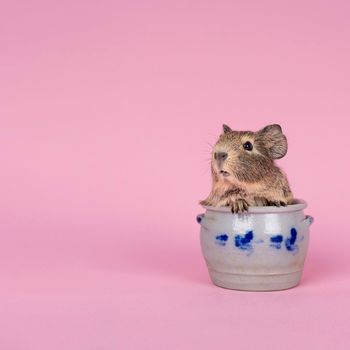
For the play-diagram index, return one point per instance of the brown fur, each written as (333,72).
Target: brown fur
(252,178)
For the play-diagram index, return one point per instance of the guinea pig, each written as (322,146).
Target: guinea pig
(244,172)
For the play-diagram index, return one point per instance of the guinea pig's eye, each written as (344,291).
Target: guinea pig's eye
(248,146)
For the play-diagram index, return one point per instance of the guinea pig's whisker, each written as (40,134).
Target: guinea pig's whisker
(208,161)
(205,171)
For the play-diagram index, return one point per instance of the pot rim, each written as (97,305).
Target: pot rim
(300,204)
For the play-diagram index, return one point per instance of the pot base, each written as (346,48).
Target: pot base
(255,282)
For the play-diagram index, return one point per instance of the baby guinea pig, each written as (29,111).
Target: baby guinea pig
(243,170)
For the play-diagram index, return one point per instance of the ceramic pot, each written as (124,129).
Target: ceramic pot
(263,249)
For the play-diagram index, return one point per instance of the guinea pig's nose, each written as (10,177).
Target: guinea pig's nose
(220,155)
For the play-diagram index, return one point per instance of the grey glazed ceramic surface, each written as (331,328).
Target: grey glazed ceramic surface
(262,249)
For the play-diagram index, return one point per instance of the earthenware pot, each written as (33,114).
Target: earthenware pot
(263,249)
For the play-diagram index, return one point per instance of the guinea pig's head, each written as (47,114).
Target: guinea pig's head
(247,156)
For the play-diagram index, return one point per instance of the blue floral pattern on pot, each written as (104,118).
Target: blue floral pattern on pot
(245,241)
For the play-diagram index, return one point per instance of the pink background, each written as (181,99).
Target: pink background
(107,109)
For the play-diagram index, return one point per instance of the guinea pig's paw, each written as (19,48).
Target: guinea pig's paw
(277,203)
(260,201)
(205,202)
(239,205)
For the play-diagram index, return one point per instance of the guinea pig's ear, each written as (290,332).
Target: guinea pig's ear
(226,128)
(274,141)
